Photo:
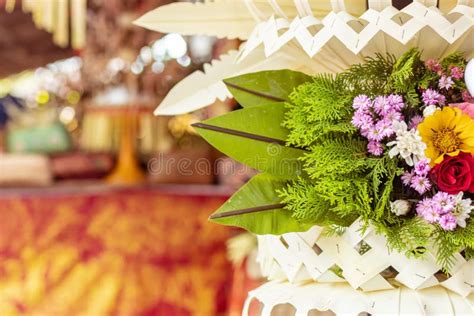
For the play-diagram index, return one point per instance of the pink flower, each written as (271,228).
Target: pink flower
(385,127)
(364,132)
(442,99)
(362,120)
(422,167)
(466,107)
(375,134)
(382,105)
(421,184)
(431,215)
(394,116)
(407,177)
(445,82)
(456,72)
(362,102)
(466,96)
(415,120)
(433,65)
(375,148)
(431,209)
(432,97)
(396,102)
(425,208)
(448,221)
(444,202)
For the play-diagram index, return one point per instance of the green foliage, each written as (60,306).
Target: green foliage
(370,77)
(427,80)
(469,253)
(259,192)
(334,230)
(405,76)
(308,205)
(410,236)
(405,70)
(346,197)
(335,157)
(304,202)
(337,270)
(265,87)
(344,180)
(268,154)
(378,172)
(451,242)
(383,175)
(454,59)
(318,109)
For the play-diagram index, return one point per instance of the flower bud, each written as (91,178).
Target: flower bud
(400,207)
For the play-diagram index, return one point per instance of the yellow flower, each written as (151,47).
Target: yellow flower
(447,132)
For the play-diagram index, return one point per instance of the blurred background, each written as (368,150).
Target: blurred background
(103,206)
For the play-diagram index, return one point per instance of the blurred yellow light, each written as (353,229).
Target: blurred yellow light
(73,97)
(42,97)
(67,115)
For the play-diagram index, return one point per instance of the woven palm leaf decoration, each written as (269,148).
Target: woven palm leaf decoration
(319,27)
(334,220)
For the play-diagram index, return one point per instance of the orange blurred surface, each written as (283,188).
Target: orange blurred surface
(115,252)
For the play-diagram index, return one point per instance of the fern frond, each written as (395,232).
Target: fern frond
(370,77)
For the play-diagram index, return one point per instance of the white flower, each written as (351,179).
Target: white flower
(400,207)
(429,110)
(408,144)
(462,210)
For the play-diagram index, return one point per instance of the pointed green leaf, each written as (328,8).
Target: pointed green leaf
(254,136)
(265,87)
(257,208)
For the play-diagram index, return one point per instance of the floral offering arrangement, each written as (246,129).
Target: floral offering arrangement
(388,142)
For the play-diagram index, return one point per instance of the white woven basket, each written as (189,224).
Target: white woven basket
(311,256)
(341,299)
(382,28)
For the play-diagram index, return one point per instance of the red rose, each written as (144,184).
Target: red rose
(455,174)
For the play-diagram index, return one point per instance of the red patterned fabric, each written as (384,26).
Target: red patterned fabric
(119,252)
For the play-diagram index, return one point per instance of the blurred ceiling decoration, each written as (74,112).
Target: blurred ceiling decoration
(119,53)
(23,46)
(65,19)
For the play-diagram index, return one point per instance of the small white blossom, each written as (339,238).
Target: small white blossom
(462,210)
(408,144)
(400,207)
(429,110)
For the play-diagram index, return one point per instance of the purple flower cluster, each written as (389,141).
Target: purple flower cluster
(417,178)
(375,118)
(433,97)
(439,209)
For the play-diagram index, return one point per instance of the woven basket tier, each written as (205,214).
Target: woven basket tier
(381,28)
(341,299)
(363,261)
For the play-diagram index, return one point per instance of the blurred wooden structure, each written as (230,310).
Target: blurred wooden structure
(23,46)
